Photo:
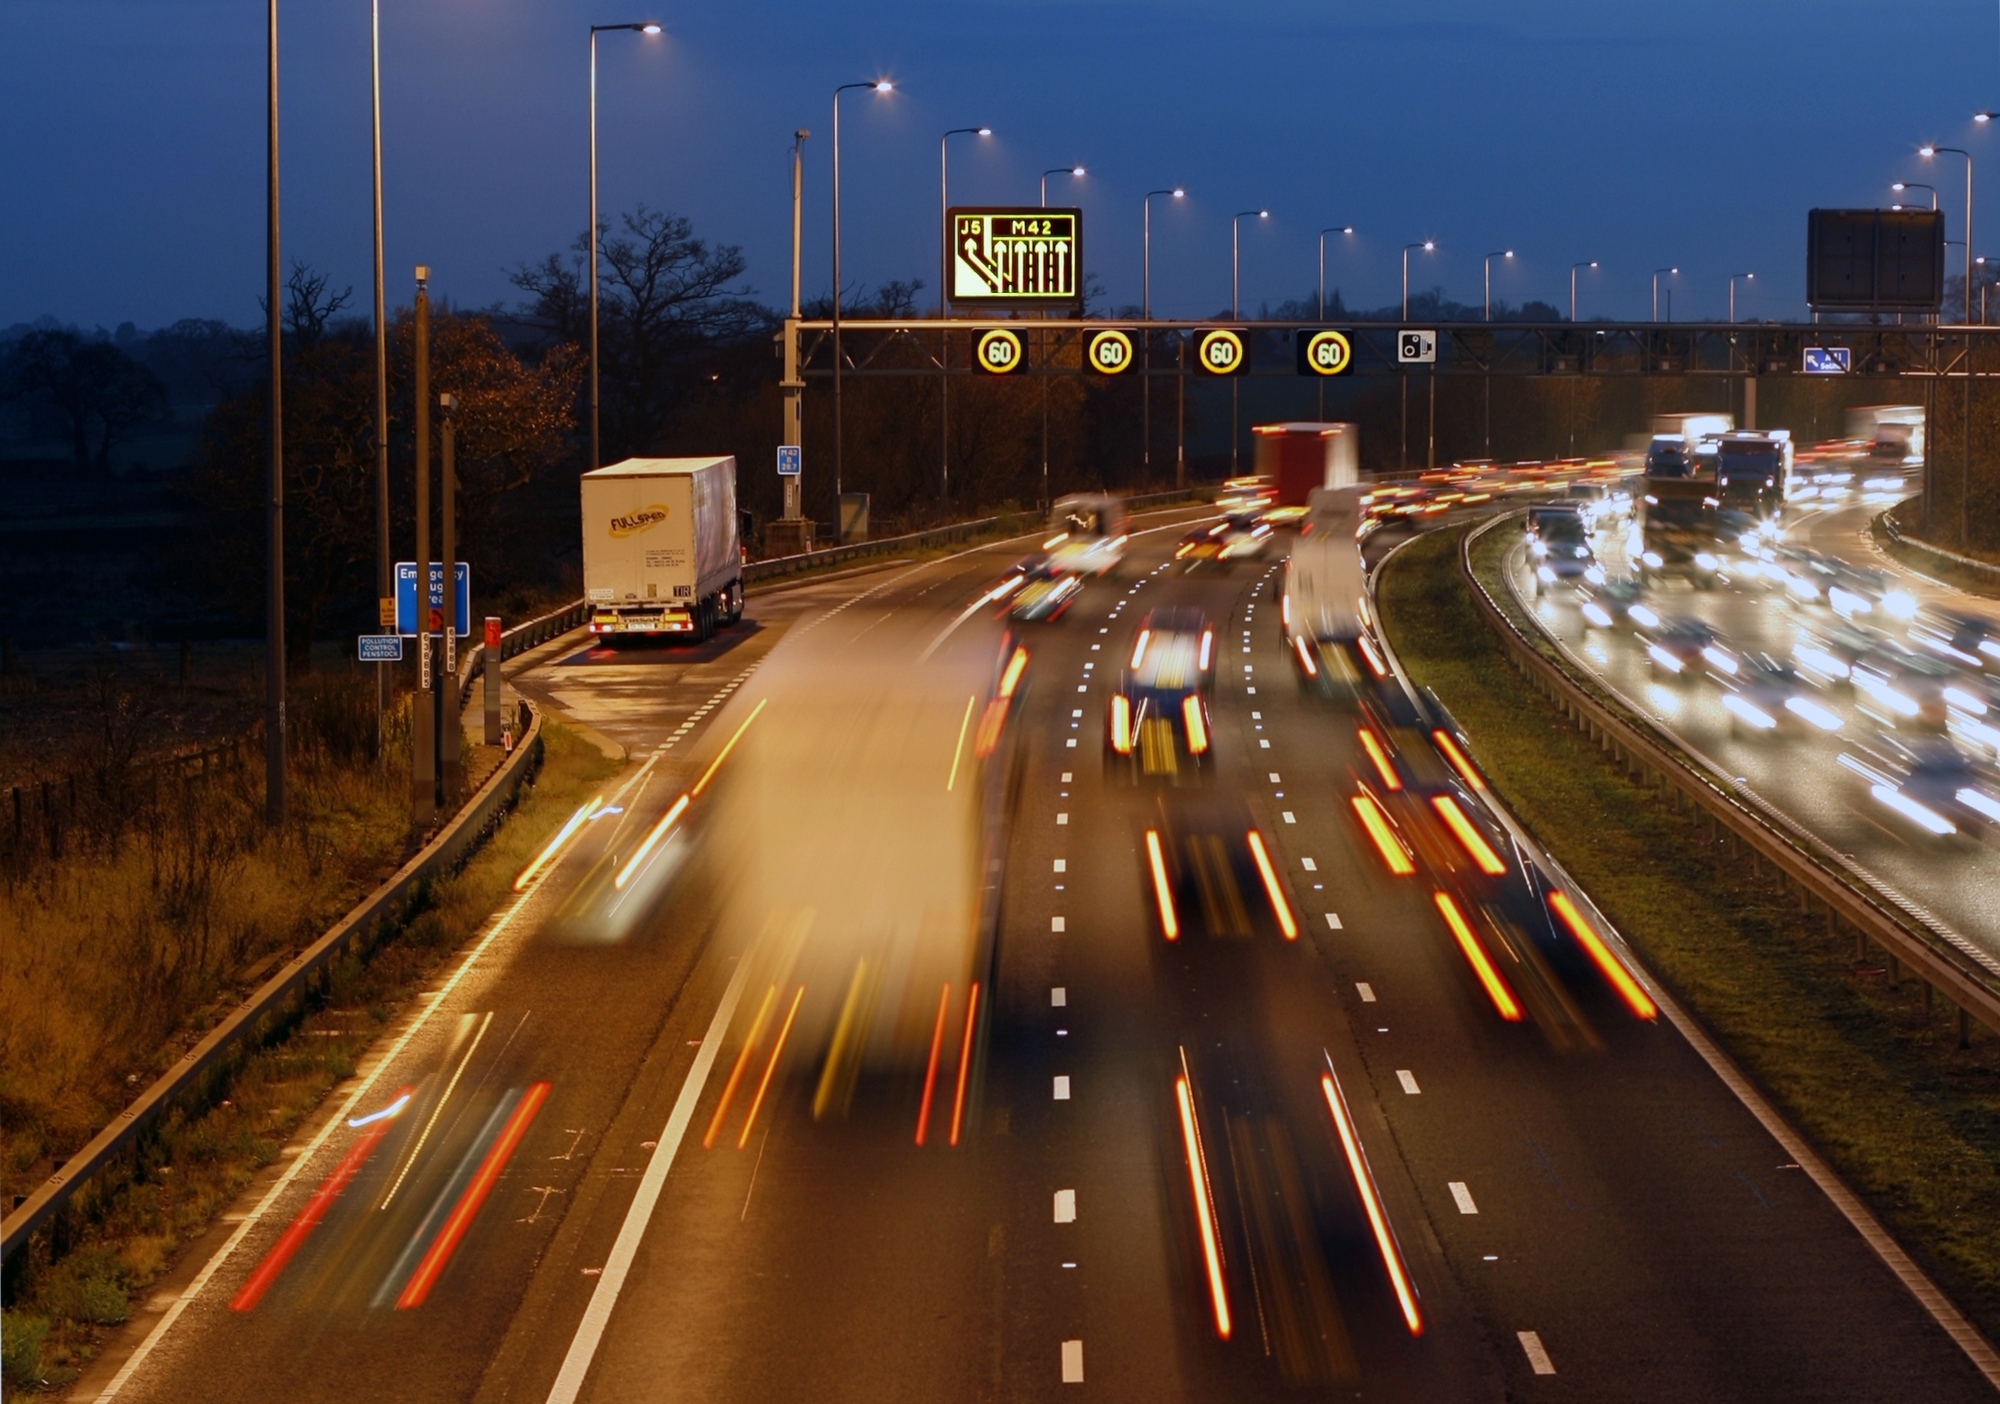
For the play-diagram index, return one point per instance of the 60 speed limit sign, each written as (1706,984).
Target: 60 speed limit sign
(1222,352)
(1325,352)
(1000,351)
(1108,352)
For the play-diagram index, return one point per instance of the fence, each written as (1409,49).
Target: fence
(1967,975)
(440,856)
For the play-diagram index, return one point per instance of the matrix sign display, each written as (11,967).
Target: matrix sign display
(1028,257)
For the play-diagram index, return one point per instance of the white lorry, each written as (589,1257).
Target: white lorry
(660,551)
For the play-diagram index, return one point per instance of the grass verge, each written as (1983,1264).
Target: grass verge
(1863,1069)
(1939,568)
(125,1229)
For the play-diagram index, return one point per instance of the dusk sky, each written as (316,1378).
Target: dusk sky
(1641,135)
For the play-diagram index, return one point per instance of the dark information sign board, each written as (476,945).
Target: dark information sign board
(1875,260)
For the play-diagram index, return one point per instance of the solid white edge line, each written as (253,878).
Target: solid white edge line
(611,1281)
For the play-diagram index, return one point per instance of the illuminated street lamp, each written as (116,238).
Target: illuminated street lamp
(1235,267)
(1076,172)
(1488,264)
(1146,314)
(641,27)
(1900,186)
(1929,151)
(1592,263)
(1746,277)
(1428,246)
(1672,273)
(880,85)
(944,292)
(1332,229)
(1403,453)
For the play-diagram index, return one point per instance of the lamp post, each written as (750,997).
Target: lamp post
(274,599)
(880,85)
(1900,186)
(793,384)
(1235,283)
(1670,272)
(1488,264)
(1332,229)
(1403,452)
(1076,172)
(1930,151)
(384,585)
(640,27)
(1146,315)
(1590,263)
(1746,277)
(944,294)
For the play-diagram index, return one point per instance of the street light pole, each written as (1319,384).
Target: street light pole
(1747,277)
(1487,262)
(1235,282)
(944,293)
(794,386)
(641,27)
(1670,272)
(1146,315)
(880,85)
(1590,263)
(1077,173)
(384,586)
(1403,450)
(274,600)
(1487,379)
(1929,151)
(1331,229)
(1900,186)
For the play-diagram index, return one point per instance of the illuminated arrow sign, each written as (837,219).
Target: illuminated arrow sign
(1828,360)
(1015,257)
(1000,351)
(1222,352)
(1109,352)
(1324,352)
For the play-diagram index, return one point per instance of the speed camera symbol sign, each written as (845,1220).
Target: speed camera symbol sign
(1417,347)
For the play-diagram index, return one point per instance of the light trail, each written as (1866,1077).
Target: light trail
(659,832)
(1163,891)
(1386,842)
(770,1067)
(1272,887)
(730,745)
(930,1069)
(1204,1209)
(964,1060)
(1371,1201)
(418,1288)
(736,1073)
(1636,999)
(1475,956)
(1458,759)
(1468,835)
(1381,759)
(563,836)
(958,751)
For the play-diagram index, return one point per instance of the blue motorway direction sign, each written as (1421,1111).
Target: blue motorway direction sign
(381,648)
(790,460)
(406,599)
(1828,360)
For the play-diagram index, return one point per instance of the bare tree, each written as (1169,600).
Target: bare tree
(94,390)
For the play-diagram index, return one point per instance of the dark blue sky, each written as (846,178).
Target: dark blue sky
(1695,133)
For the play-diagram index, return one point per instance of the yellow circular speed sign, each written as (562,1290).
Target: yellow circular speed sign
(1000,352)
(1221,352)
(1109,352)
(1324,353)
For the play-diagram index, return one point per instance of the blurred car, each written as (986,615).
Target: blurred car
(1902,687)
(1962,638)
(1768,694)
(1683,642)
(1157,718)
(1617,599)
(1091,534)
(1559,544)
(1244,538)
(1044,596)
(1948,781)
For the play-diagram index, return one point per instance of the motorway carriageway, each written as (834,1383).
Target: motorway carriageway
(1796,767)
(796,1074)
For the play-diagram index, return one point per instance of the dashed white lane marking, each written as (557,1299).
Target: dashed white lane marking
(1058,996)
(1072,1362)
(1531,1342)
(1070,744)
(1080,687)
(1309,865)
(1055,923)
(1066,1206)
(1333,921)
(1062,865)
(1065,777)
(1076,711)
(1285,812)
(1062,818)
(1366,991)
(1274,778)
(1460,1195)
(1062,1087)
(1095,647)
(1251,690)
(1409,1081)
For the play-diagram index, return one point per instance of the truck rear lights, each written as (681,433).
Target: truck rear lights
(1121,725)
(1197,729)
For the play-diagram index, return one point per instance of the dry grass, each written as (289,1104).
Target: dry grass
(200,1156)
(1871,1075)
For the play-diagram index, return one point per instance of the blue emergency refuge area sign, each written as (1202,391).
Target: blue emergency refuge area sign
(406,599)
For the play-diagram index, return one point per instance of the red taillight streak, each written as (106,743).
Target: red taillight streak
(1375,663)
(1013,673)
(930,1069)
(1121,725)
(1305,656)
(1386,843)
(1197,731)
(295,1235)
(1468,835)
(1458,759)
(1163,891)
(1381,758)
(736,1073)
(990,722)
(1613,970)
(770,1067)
(1378,1220)
(1475,955)
(1272,887)
(462,1213)
(964,1060)
(1204,1211)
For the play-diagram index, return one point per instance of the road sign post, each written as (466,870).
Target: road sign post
(491,644)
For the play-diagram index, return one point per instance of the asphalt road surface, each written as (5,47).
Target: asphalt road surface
(868,1073)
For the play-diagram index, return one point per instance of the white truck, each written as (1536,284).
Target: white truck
(660,551)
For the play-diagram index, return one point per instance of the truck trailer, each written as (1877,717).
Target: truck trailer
(661,557)
(1297,458)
